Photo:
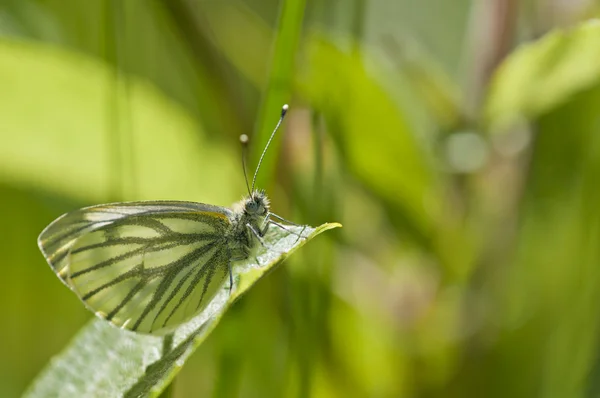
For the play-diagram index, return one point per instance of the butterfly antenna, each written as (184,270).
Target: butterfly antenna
(283,112)
(244,141)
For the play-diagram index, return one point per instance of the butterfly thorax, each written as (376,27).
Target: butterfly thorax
(249,216)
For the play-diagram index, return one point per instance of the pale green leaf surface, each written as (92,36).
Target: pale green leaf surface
(59,139)
(105,361)
(542,75)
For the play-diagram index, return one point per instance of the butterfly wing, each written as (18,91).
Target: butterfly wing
(144,266)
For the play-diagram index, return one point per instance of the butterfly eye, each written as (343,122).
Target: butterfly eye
(251,206)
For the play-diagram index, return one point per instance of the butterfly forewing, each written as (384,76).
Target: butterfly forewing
(146,266)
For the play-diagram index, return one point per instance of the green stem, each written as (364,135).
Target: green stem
(278,90)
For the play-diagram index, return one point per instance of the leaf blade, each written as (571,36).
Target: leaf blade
(541,76)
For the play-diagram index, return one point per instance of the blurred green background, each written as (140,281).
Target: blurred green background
(466,176)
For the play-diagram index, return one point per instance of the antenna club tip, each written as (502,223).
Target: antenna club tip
(284,109)
(244,139)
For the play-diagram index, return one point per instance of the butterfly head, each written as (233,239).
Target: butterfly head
(257,204)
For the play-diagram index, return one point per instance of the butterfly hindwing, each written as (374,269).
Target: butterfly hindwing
(144,266)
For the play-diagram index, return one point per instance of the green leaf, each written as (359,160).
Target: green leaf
(106,361)
(55,125)
(542,75)
(378,137)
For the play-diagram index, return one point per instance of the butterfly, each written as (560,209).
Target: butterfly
(150,266)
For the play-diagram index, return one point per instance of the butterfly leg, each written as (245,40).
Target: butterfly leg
(283,219)
(269,221)
(240,257)
(299,235)
(259,235)
(231,271)
(265,227)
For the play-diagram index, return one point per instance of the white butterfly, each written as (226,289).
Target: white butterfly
(151,266)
